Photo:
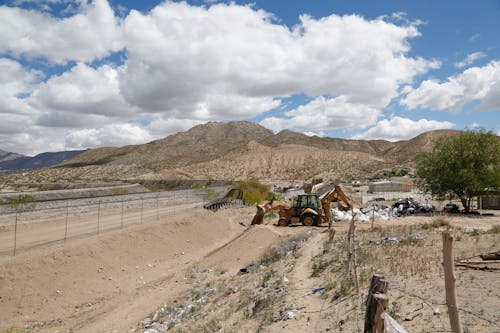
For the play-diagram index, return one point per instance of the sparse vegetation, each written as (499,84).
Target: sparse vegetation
(436,223)
(119,191)
(23,202)
(254,192)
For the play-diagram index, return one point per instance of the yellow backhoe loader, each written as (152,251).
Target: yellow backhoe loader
(308,209)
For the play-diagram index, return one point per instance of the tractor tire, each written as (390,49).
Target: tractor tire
(282,222)
(308,220)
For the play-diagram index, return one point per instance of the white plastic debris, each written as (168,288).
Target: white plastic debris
(392,326)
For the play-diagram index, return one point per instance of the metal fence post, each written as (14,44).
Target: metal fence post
(15,234)
(142,207)
(98,216)
(66,227)
(122,215)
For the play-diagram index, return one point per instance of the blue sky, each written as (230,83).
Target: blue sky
(81,74)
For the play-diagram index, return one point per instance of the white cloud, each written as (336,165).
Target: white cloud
(189,64)
(475,125)
(470,59)
(398,128)
(474,84)
(14,82)
(82,92)
(325,114)
(230,61)
(94,33)
(108,135)
(474,37)
(160,127)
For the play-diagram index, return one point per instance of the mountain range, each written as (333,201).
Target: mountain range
(239,150)
(16,162)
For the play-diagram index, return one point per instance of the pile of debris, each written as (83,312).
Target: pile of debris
(409,206)
(364,214)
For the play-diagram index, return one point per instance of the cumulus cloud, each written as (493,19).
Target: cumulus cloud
(82,92)
(15,81)
(470,59)
(108,135)
(187,64)
(474,84)
(91,34)
(398,128)
(325,114)
(231,61)
(161,127)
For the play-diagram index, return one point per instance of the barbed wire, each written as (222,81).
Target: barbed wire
(432,303)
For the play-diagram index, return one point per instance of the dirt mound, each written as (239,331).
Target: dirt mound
(243,249)
(104,280)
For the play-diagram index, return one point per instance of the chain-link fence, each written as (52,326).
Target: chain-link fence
(33,224)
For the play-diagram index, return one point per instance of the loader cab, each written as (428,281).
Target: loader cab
(304,201)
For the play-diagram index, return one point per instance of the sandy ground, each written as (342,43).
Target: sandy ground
(112,281)
(109,281)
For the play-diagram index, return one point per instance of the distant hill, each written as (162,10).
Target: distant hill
(39,161)
(7,156)
(238,150)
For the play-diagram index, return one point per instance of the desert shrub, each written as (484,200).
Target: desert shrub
(439,222)
(119,191)
(23,202)
(281,250)
(495,229)
(254,192)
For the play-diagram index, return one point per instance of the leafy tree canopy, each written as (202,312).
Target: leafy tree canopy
(463,165)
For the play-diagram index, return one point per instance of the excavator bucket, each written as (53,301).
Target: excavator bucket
(233,198)
(259,216)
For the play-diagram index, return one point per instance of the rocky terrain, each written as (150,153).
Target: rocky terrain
(233,151)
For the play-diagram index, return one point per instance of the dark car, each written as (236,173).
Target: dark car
(451,208)
(376,199)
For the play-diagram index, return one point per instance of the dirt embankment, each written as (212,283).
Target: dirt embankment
(108,282)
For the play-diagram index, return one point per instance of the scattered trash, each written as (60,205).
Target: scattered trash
(437,312)
(247,269)
(146,322)
(315,290)
(401,239)
(230,291)
(363,215)
(285,279)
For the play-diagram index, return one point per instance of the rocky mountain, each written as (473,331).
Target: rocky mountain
(7,156)
(39,161)
(238,150)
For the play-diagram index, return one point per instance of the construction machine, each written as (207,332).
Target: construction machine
(308,209)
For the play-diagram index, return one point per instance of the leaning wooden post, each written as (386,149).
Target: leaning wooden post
(376,304)
(331,234)
(449,282)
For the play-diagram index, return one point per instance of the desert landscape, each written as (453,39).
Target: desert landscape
(205,272)
(214,166)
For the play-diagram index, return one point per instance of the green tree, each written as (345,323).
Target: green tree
(462,165)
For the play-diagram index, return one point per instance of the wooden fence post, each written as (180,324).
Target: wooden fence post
(376,304)
(449,282)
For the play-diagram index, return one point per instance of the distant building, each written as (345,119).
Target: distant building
(390,186)
(489,202)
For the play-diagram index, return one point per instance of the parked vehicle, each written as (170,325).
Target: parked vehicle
(451,208)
